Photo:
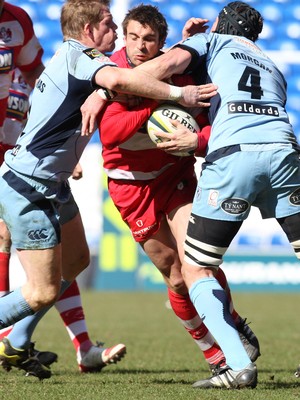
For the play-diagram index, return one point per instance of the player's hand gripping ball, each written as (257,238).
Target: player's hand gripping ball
(159,121)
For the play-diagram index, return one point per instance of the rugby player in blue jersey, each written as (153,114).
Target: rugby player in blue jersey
(252,160)
(36,203)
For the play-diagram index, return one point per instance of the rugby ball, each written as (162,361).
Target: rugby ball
(159,121)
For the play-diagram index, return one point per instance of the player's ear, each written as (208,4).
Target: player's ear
(88,30)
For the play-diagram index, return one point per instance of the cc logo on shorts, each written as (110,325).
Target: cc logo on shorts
(38,234)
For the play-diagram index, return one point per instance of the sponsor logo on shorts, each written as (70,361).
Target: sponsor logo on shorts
(235,206)
(295,198)
(38,234)
(213,198)
(142,232)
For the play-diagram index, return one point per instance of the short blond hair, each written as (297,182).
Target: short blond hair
(75,14)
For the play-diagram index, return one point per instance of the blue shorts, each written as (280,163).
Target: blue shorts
(233,179)
(32,218)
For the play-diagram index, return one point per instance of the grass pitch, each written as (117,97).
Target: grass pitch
(162,361)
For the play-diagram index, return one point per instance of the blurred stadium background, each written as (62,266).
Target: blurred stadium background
(260,257)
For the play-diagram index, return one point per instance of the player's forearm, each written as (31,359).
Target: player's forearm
(175,61)
(135,82)
(141,83)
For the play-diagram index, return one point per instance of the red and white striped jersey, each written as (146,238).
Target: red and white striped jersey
(19,47)
(17,108)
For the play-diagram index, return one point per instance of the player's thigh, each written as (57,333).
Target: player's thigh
(178,221)
(207,240)
(42,267)
(161,248)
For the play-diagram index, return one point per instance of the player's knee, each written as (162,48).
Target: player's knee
(177,285)
(43,296)
(167,259)
(85,260)
(81,263)
(175,279)
(170,267)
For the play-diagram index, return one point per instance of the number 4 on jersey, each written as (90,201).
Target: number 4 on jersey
(252,76)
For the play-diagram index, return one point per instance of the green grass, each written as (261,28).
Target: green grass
(162,361)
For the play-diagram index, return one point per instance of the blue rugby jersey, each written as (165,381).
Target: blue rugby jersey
(51,143)
(250,105)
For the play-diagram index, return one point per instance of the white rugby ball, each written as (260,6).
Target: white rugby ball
(159,121)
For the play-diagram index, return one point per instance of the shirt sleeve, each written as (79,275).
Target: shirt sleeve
(118,123)
(31,52)
(203,134)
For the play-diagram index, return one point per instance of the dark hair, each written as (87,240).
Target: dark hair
(238,18)
(147,15)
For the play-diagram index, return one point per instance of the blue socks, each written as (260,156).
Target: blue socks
(20,336)
(211,303)
(13,307)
